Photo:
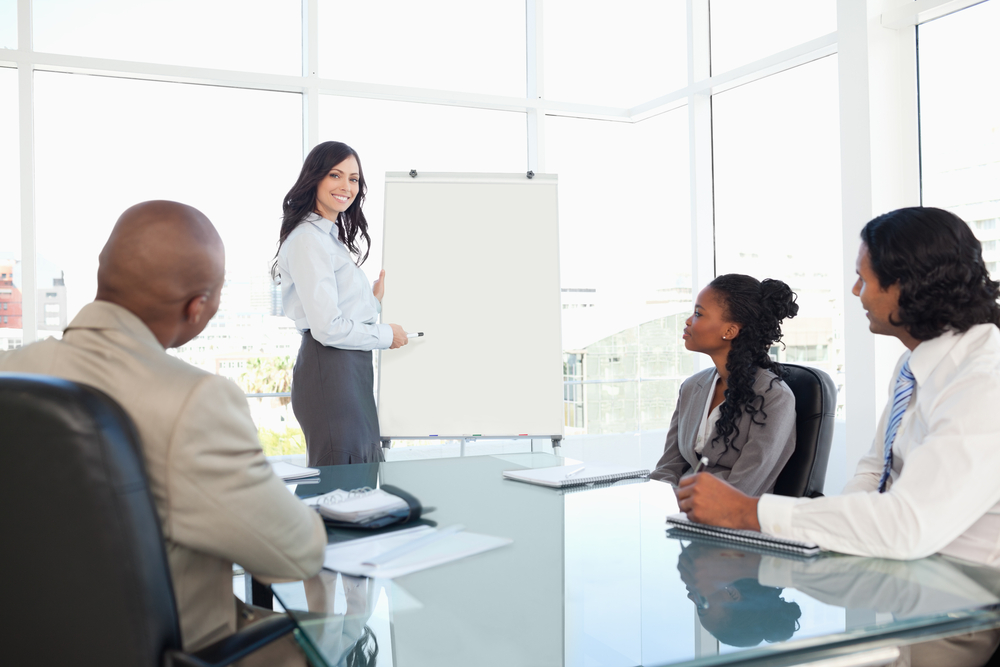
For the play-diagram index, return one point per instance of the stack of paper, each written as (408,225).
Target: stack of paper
(356,556)
(288,471)
(358,506)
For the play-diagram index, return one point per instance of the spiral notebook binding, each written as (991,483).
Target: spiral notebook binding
(604,479)
(621,481)
(742,537)
(336,499)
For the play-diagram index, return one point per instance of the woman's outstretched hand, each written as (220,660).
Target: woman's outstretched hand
(378,287)
(399,337)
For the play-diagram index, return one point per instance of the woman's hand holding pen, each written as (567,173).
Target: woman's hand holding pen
(399,337)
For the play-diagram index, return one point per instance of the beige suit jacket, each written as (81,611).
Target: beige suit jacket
(218,499)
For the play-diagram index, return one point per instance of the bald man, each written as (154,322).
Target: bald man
(159,282)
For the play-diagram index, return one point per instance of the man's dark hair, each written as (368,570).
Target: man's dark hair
(938,264)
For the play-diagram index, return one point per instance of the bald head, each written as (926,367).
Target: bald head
(165,262)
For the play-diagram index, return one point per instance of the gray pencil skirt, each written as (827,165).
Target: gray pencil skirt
(333,401)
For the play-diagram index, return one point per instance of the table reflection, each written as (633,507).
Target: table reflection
(731,603)
(336,621)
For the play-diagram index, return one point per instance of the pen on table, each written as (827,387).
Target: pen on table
(415,334)
(412,545)
(580,469)
(701,464)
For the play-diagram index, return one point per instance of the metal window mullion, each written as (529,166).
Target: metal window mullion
(26,146)
(534,77)
(310,71)
(700,153)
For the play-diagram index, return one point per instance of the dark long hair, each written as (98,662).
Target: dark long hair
(938,263)
(758,307)
(301,199)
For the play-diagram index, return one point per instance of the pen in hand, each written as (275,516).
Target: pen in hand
(701,464)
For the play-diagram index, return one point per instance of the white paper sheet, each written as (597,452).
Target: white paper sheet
(287,471)
(347,557)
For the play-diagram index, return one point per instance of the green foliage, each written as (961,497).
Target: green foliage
(291,441)
(268,375)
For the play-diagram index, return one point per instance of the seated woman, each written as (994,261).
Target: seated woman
(740,414)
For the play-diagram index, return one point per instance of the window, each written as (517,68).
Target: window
(625,260)
(238,150)
(959,132)
(442,44)
(617,56)
(745,31)
(8,24)
(246,35)
(777,198)
(10,179)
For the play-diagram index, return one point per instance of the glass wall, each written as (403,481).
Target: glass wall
(625,261)
(959,124)
(619,55)
(10,215)
(248,35)
(743,32)
(8,24)
(444,44)
(233,146)
(777,201)
(104,144)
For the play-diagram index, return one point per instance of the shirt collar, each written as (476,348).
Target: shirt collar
(929,353)
(107,315)
(327,226)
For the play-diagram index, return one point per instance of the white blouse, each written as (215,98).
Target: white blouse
(708,419)
(325,292)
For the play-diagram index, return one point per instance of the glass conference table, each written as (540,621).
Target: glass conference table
(592,579)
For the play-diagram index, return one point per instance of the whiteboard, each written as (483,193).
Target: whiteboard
(472,260)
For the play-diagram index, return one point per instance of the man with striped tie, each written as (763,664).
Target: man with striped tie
(929,483)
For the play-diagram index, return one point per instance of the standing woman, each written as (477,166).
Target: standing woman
(739,414)
(325,292)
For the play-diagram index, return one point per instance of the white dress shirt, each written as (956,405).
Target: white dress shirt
(708,419)
(324,291)
(943,494)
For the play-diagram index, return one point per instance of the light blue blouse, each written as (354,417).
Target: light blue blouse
(324,291)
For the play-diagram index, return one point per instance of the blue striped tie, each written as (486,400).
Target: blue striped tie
(900,399)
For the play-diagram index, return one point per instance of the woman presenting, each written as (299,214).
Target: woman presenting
(325,292)
(739,414)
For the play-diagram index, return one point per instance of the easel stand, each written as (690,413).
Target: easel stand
(464,439)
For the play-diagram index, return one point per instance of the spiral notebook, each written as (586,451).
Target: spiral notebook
(357,506)
(681,524)
(573,475)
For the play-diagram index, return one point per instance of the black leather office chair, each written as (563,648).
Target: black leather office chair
(86,579)
(815,407)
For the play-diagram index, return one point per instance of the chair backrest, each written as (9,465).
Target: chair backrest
(815,407)
(82,547)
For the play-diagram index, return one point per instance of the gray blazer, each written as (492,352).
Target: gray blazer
(755,457)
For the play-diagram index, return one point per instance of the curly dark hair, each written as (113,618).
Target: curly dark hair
(758,307)
(938,264)
(301,199)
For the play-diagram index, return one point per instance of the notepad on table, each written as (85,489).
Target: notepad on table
(289,471)
(681,523)
(354,557)
(572,475)
(357,506)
